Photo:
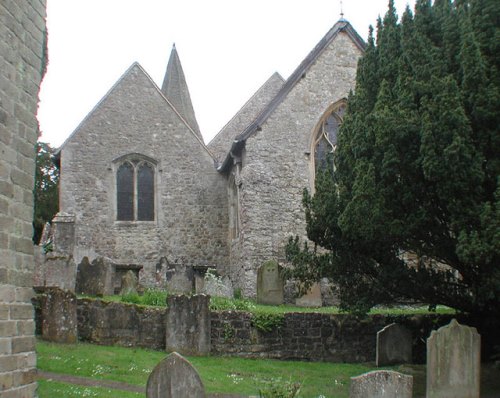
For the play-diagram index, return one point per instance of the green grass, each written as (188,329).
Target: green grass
(222,303)
(54,389)
(219,374)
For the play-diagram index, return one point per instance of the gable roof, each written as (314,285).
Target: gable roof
(341,26)
(134,66)
(175,88)
(220,144)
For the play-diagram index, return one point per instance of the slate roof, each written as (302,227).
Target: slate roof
(175,88)
(239,142)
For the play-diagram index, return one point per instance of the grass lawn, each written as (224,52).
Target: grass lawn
(219,374)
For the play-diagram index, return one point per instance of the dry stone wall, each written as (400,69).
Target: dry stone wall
(304,336)
(22,60)
(277,164)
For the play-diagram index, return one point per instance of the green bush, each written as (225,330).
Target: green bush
(226,304)
(156,297)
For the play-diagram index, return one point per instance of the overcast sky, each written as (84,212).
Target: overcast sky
(228,49)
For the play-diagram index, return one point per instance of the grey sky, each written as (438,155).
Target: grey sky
(228,49)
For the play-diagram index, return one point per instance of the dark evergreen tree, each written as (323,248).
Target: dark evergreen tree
(411,211)
(46,192)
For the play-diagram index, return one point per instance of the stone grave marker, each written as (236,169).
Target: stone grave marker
(96,278)
(394,345)
(453,362)
(58,313)
(381,384)
(312,298)
(188,324)
(174,377)
(269,284)
(129,283)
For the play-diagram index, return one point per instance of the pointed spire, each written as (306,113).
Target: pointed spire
(176,90)
(342,11)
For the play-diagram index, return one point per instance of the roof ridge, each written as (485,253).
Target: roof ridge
(254,95)
(341,25)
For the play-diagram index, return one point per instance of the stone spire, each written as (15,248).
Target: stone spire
(176,90)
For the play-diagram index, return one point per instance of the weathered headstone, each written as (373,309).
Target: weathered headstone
(269,284)
(58,313)
(129,283)
(174,377)
(96,278)
(394,345)
(453,362)
(381,384)
(179,278)
(312,298)
(188,324)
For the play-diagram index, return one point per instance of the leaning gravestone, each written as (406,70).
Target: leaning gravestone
(381,384)
(312,298)
(269,284)
(453,362)
(394,345)
(174,377)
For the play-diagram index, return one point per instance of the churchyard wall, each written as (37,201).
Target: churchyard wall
(22,63)
(303,336)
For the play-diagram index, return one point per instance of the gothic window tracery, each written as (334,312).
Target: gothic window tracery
(326,137)
(135,190)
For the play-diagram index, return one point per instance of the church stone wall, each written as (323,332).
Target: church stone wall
(22,31)
(190,227)
(277,163)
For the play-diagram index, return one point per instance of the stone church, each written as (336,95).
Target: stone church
(140,187)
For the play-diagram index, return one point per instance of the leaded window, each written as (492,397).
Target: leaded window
(325,142)
(135,191)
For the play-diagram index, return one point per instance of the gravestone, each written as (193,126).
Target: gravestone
(312,298)
(174,377)
(59,317)
(96,278)
(188,324)
(453,362)
(381,384)
(394,345)
(179,278)
(269,284)
(129,283)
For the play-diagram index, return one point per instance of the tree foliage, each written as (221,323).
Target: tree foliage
(46,192)
(411,212)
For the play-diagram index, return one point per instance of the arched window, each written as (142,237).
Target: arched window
(135,190)
(325,138)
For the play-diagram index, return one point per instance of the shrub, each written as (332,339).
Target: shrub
(266,321)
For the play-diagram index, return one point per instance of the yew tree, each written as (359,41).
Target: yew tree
(410,212)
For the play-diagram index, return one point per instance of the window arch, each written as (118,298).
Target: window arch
(135,188)
(326,136)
